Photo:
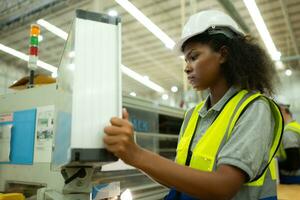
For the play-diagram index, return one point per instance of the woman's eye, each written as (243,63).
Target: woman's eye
(194,57)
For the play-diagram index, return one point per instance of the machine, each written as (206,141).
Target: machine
(68,119)
(51,136)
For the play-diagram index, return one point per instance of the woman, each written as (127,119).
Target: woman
(289,150)
(228,141)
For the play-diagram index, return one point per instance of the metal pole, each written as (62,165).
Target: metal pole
(193,7)
(289,26)
(229,7)
(182,12)
(31,79)
(290,58)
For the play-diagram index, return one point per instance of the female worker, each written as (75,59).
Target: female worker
(226,142)
(289,150)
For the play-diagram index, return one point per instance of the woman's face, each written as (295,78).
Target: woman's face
(202,65)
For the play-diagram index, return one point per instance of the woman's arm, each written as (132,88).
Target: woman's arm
(222,184)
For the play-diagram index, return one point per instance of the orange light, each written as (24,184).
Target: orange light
(35,30)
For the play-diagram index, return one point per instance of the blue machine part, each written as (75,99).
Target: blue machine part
(61,154)
(22,138)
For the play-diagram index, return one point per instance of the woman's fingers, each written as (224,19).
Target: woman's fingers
(117,145)
(119,138)
(113,149)
(113,130)
(111,140)
(115,121)
(125,114)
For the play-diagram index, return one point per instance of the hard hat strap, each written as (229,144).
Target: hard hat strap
(213,30)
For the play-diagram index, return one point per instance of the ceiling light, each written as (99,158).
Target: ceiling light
(276,56)
(124,69)
(71,66)
(25,57)
(57,31)
(262,28)
(113,13)
(72,54)
(46,66)
(14,52)
(288,72)
(40,38)
(165,97)
(141,79)
(132,94)
(145,21)
(126,195)
(174,89)
(279,65)
(54,74)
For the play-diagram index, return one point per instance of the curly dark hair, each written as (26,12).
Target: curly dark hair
(247,65)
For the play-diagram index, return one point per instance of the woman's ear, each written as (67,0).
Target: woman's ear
(223,51)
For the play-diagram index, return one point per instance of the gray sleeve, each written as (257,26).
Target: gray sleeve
(290,139)
(251,140)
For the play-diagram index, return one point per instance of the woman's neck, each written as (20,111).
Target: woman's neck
(217,91)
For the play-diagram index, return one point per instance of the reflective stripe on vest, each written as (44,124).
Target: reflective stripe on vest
(294,127)
(206,150)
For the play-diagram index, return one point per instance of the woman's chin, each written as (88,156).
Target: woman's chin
(199,87)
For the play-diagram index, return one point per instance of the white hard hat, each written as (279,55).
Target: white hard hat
(282,100)
(202,21)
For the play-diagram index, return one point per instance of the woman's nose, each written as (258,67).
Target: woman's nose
(188,69)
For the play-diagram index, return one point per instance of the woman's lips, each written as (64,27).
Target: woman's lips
(191,79)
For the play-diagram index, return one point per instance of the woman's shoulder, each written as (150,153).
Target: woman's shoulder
(258,109)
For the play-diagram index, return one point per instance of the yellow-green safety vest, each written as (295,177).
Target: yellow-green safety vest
(206,150)
(292,126)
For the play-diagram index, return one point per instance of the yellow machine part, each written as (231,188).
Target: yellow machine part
(12,196)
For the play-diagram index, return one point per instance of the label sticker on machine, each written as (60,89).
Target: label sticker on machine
(44,133)
(5,137)
(6,117)
(45,123)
